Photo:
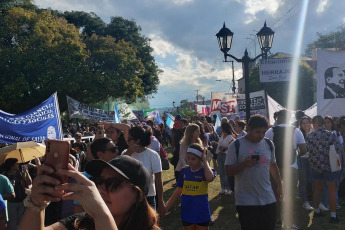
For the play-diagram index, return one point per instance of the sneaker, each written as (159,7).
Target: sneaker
(222,191)
(307,206)
(323,208)
(334,220)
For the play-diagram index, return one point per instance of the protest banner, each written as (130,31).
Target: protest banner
(223,103)
(330,82)
(37,124)
(203,109)
(83,111)
(229,104)
(275,69)
(127,114)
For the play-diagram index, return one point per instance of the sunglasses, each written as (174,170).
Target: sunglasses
(111,184)
(113,149)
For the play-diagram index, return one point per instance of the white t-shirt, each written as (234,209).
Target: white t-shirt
(152,162)
(224,142)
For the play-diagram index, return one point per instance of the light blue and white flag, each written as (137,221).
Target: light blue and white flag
(158,119)
(37,124)
(117,115)
(170,121)
(217,124)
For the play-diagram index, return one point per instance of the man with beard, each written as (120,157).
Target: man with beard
(335,83)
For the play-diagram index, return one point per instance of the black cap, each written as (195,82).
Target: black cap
(127,166)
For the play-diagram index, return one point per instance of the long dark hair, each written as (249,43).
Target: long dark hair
(121,142)
(227,128)
(140,217)
(140,133)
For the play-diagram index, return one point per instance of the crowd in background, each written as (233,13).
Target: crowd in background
(195,143)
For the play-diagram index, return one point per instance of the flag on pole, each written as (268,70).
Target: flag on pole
(170,121)
(117,115)
(158,119)
(217,124)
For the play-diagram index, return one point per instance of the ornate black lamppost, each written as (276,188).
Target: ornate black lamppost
(265,38)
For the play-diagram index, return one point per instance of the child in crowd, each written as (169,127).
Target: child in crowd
(193,185)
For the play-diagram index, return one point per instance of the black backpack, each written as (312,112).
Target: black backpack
(279,138)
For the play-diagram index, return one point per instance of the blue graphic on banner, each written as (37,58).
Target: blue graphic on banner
(38,124)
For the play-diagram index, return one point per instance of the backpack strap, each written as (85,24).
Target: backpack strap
(269,142)
(237,147)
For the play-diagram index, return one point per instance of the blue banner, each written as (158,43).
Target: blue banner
(38,124)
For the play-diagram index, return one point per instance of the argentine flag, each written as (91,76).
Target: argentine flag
(158,119)
(217,124)
(170,121)
(117,115)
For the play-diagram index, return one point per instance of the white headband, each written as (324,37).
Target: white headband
(195,151)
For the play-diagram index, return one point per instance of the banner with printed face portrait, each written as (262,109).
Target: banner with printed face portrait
(330,82)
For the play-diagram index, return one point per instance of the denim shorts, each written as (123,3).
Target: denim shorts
(325,176)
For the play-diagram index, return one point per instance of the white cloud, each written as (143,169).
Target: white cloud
(181,2)
(322,6)
(255,6)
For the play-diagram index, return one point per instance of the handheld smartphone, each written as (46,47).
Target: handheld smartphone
(57,156)
(256,157)
(100,131)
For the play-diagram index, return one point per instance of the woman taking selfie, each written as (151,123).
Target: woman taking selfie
(115,200)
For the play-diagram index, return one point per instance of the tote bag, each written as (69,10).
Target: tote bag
(334,159)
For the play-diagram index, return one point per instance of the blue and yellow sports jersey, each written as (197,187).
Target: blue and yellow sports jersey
(194,202)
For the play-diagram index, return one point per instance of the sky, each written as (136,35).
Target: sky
(182,34)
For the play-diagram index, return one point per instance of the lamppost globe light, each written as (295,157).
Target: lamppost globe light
(265,38)
(224,37)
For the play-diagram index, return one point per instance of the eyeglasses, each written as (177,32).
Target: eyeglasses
(113,149)
(111,184)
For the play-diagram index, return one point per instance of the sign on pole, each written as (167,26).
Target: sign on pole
(275,69)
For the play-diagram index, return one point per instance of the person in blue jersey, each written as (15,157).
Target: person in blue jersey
(193,185)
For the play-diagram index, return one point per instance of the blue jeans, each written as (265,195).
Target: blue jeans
(304,177)
(224,183)
(151,200)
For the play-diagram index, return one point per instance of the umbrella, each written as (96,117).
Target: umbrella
(23,151)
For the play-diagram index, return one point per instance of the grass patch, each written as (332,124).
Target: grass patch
(223,209)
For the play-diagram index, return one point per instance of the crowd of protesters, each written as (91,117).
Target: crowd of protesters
(115,174)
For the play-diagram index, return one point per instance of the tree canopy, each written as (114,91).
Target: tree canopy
(41,54)
(74,53)
(334,39)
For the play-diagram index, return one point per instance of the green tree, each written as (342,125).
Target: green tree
(127,30)
(331,40)
(121,29)
(279,91)
(41,54)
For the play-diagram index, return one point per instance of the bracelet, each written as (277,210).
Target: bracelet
(29,204)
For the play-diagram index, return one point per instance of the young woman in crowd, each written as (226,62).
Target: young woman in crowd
(138,141)
(191,136)
(330,126)
(118,133)
(223,144)
(304,172)
(115,200)
(193,185)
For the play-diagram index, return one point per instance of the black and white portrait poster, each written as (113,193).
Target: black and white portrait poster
(330,82)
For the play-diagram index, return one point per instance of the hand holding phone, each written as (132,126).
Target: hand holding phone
(255,157)
(57,156)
